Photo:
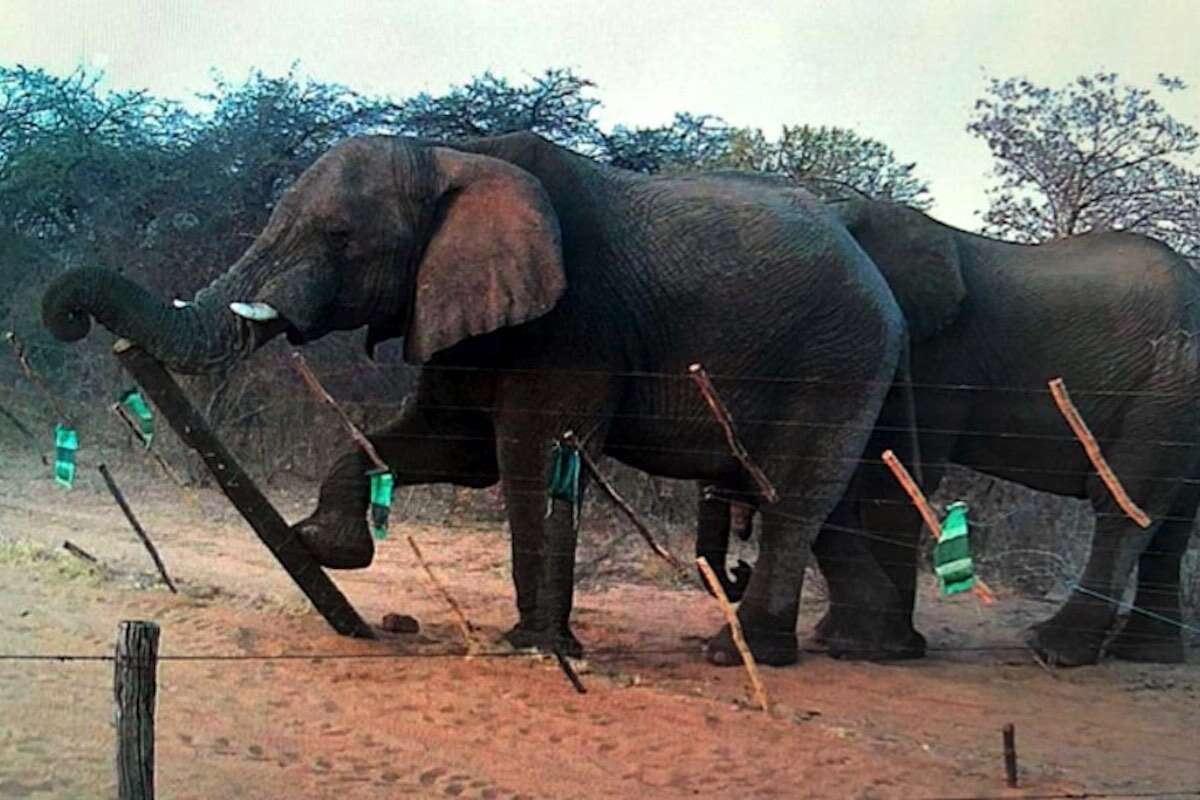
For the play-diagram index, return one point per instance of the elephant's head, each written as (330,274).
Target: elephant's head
(408,238)
(918,256)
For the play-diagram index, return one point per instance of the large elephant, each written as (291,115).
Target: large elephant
(543,292)
(1117,316)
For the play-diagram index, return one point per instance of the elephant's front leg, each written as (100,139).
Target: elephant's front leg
(524,487)
(420,446)
(544,534)
(543,549)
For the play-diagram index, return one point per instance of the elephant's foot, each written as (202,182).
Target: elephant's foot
(526,636)
(773,646)
(861,637)
(1063,644)
(1149,640)
(337,541)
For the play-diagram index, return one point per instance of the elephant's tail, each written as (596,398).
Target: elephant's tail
(904,381)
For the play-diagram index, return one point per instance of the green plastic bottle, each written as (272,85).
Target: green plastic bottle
(382,483)
(66,442)
(952,555)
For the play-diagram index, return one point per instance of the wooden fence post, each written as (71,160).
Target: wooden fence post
(135,685)
(241,490)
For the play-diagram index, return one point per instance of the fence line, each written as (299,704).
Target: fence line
(378,367)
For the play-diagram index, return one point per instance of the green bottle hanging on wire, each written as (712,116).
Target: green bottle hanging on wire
(66,442)
(564,480)
(564,473)
(136,405)
(382,484)
(952,555)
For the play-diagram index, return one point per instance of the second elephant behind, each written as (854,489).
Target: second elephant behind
(1116,316)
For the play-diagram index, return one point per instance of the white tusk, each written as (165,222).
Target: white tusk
(180,303)
(259,312)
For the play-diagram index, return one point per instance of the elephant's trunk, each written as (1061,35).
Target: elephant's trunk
(202,336)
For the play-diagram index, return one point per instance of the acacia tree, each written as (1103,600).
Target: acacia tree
(828,160)
(554,104)
(1092,155)
(690,141)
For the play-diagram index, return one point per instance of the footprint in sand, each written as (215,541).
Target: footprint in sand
(430,776)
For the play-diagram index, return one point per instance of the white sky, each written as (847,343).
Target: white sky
(903,71)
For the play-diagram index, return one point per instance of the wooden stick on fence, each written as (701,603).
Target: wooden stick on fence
(704,383)
(1063,400)
(571,440)
(1009,734)
(241,490)
(931,521)
(50,396)
(365,445)
(564,664)
(135,685)
(137,528)
(123,415)
(34,445)
(81,554)
(464,625)
(315,385)
(735,629)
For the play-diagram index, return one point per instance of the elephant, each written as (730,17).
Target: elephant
(542,292)
(1117,316)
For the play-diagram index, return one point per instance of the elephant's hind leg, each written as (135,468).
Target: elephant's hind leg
(1075,635)
(1154,630)
(869,618)
(1152,476)
(769,609)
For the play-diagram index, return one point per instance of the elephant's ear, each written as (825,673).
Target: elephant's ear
(494,259)
(918,256)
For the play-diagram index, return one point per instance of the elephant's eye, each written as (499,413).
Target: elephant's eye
(338,240)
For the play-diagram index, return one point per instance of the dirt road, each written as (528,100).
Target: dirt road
(292,710)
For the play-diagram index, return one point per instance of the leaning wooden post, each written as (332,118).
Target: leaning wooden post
(700,377)
(1058,390)
(460,619)
(571,440)
(1009,734)
(43,387)
(271,528)
(135,685)
(364,444)
(735,631)
(137,527)
(919,500)
(316,388)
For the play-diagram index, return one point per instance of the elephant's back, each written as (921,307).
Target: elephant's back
(1116,316)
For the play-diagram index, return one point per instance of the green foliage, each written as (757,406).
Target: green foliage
(172,194)
(830,160)
(553,104)
(25,555)
(1091,155)
(689,142)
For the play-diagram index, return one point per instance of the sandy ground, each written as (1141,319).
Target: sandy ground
(408,715)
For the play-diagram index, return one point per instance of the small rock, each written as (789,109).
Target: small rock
(399,623)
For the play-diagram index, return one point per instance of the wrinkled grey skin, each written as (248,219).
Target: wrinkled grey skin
(542,293)
(1117,317)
